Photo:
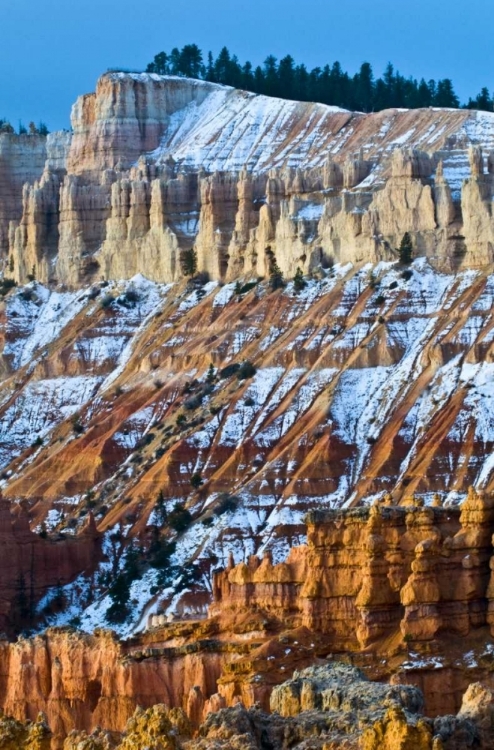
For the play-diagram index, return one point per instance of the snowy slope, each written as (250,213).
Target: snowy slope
(365,382)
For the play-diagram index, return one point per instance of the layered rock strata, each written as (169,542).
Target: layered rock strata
(31,565)
(367,381)
(332,706)
(158,165)
(81,681)
(368,574)
(24,159)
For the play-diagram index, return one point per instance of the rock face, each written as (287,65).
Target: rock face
(340,687)
(22,159)
(31,565)
(16,735)
(367,574)
(152,169)
(332,707)
(201,421)
(81,681)
(27,163)
(478,706)
(368,381)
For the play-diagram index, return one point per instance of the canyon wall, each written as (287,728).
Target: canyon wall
(402,589)
(332,705)
(22,159)
(31,564)
(369,574)
(82,681)
(367,381)
(152,170)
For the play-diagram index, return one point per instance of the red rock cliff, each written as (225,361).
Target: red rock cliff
(370,573)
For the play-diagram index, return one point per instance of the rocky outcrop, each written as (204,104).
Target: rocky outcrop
(35,239)
(22,159)
(18,735)
(478,707)
(153,169)
(206,668)
(334,687)
(34,161)
(333,706)
(81,681)
(339,709)
(372,572)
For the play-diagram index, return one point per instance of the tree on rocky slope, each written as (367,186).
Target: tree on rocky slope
(405,250)
(299,282)
(275,276)
(211,374)
(159,64)
(482,101)
(190,61)
(188,262)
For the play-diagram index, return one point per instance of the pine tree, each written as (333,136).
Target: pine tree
(364,85)
(188,262)
(196,481)
(301,83)
(210,74)
(286,76)
(329,84)
(271,76)
(482,101)
(445,95)
(59,599)
(190,61)
(160,511)
(258,87)
(247,76)
(119,593)
(299,282)
(424,98)
(275,275)
(405,249)
(159,64)
(222,66)
(174,62)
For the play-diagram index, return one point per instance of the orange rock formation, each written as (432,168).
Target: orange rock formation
(368,573)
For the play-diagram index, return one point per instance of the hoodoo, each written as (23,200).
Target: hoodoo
(151,170)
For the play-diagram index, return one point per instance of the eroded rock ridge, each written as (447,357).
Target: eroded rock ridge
(158,165)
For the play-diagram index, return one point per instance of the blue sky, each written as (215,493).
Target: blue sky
(53,50)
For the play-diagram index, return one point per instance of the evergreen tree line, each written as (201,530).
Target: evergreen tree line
(329,85)
(32,129)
